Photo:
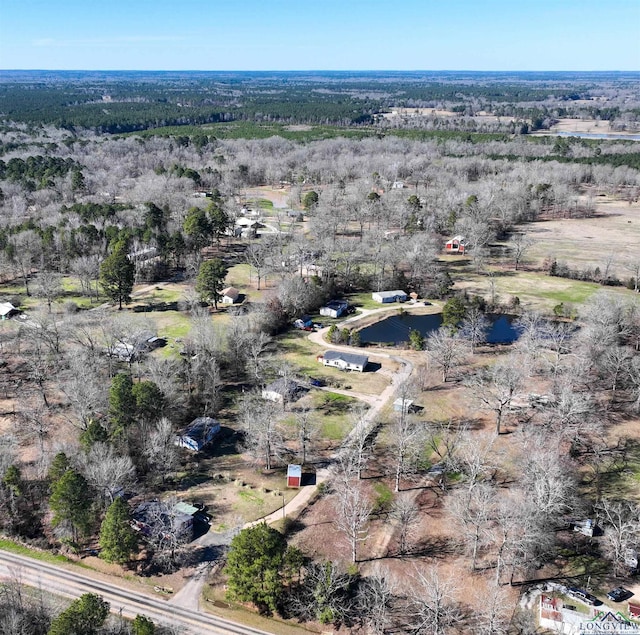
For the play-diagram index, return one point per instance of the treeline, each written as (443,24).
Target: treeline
(122,103)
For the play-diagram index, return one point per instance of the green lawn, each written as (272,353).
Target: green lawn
(532,288)
(301,354)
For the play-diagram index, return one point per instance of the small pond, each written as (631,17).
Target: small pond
(395,329)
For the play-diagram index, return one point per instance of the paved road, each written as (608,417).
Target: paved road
(71,584)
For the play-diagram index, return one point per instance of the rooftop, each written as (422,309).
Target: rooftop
(350,358)
(389,294)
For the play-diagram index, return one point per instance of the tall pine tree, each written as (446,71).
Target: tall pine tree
(117,274)
(117,540)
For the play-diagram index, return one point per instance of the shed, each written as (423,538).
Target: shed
(344,361)
(334,309)
(386,297)
(403,405)
(281,390)
(294,476)
(229,295)
(7,310)
(199,432)
(457,245)
(634,610)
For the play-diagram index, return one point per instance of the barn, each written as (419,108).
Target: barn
(457,245)
(294,475)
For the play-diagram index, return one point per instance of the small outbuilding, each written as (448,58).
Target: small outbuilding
(403,405)
(386,297)
(457,245)
(198,434)
(334,309)
(294,476)
(7,310)
(344,361)
(229,295)
(281,390)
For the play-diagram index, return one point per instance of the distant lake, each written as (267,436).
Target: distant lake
(595,135)
(396,329)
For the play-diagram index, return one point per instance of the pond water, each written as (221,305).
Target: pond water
(395,329)
(595,135)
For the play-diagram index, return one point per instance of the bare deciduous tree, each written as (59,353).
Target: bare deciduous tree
(406,513)
(106,471)
(621,520)
(432,603)
(260,422)
(353,509)
(496,386)
(374,600)
(160,449)
(445,351)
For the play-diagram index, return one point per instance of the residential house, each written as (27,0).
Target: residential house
(294,475)
(157,517)
(281,390)
(344,361)
(335,308)
(229,295)
(457,245)
(198,434)
(385,297)
(305,322)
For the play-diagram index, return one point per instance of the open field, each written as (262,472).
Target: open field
(611,238)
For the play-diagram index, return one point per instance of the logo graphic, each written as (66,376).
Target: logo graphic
(609,622)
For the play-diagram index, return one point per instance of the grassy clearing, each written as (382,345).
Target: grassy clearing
(301,353)
(262,203)
(533,289)
(333,414)
(364,301)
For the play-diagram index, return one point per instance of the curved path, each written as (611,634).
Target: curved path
(190,593)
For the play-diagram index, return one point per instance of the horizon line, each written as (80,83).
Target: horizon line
(311,70)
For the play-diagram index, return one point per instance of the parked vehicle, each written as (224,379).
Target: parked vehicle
(582,596)
(619,594)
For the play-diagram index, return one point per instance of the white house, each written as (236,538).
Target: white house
(334,309)
(385,297)
(281,390)
(344,361)
(229,295)
(199,432)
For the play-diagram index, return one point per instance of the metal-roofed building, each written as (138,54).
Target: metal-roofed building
(344,361)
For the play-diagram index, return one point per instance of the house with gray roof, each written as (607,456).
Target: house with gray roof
(384,297)
(344,361)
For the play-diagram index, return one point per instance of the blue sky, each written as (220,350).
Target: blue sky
(320,34)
